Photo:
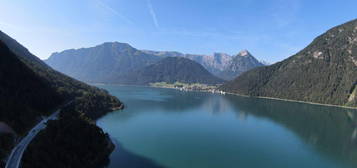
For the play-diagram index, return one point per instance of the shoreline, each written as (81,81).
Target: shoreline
(295,101)
(259,97)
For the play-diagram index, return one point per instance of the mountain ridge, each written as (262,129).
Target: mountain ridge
(105,62)
(220,64)
(171,70)
(100,63)
(324,72)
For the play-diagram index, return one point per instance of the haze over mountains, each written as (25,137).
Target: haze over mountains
(324,72)
(105,63)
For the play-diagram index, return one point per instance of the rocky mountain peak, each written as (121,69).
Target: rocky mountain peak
(116,45)
(244,53)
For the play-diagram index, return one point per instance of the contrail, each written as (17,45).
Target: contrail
(153,14)
(115,12)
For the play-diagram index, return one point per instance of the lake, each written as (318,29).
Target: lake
(174,129)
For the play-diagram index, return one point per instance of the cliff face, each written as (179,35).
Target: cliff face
(238,64)
(323,72)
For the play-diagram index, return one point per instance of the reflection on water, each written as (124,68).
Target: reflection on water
(124,158)
(191,129)
(331,130)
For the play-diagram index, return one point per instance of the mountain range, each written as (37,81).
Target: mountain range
(323,72)
(222,65)
(107,62)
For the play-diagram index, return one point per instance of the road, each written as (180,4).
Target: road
(14,160)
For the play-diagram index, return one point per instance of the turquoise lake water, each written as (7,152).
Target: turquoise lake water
(174,129)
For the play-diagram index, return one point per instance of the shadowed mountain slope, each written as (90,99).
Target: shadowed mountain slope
(171,70)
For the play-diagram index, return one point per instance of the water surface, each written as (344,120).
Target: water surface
(174,129)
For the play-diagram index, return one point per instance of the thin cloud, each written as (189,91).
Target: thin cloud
(153,14)
(115,12)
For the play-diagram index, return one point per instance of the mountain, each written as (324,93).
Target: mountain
(22,90)
(101,63)
(324,72)
(215,63)
(171,70)
(66,87)
(29,89)
(220,64)
(238,64)
(105,63)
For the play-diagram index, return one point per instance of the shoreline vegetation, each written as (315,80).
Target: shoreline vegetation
(197,87)
(213,89)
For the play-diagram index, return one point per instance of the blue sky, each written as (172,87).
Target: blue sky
(271,30)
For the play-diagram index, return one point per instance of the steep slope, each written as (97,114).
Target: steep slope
(240,63)
(29,89)
(215,63)
(95,102)
(101,63)
(323,72)
(24,95)
(170,70)
(220,64)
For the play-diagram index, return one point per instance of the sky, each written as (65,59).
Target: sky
(271,30)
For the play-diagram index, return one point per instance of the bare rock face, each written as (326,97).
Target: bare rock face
(238,64)
(244,53)
(222,65)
